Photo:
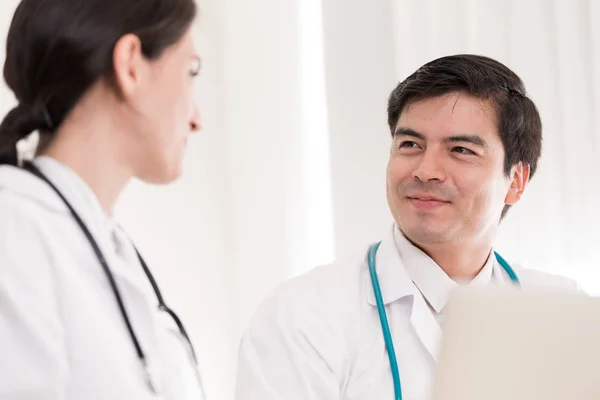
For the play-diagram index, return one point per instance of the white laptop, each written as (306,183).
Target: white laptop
(501,343)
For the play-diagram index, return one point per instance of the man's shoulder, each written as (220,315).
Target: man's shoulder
(533,278)
(325,290)
(322,283)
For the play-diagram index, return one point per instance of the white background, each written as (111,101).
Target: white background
(288,171)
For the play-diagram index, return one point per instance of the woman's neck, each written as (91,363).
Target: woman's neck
(95,160)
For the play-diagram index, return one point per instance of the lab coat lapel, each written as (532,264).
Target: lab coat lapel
(426,326)
(394,281)
(395,284)
(130,279)
(131,270)
(128,273)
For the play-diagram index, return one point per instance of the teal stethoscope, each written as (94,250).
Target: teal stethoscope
(385,328)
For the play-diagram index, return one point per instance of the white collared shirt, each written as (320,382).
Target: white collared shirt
(431,280)
(318,336)
(62,335)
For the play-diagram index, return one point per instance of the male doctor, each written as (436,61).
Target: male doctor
(466,139)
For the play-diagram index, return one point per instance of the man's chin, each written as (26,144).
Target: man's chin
(427,235)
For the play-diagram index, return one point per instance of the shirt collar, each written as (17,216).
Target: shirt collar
(430,279)
(405,270)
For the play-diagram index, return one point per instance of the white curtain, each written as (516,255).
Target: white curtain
(555,47)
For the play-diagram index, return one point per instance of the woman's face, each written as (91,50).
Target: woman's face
(165,112)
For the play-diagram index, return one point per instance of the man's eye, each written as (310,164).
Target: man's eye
(463,150)
(408,145)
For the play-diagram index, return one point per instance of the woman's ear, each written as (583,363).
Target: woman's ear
(129,64)
(519,177)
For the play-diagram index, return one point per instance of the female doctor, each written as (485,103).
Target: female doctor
(108,84)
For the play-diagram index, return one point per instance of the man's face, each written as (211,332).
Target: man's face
(445,176)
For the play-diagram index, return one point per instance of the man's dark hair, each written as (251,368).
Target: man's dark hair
(518,119)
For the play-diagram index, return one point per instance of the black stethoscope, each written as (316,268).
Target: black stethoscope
(385,327)
(30,167)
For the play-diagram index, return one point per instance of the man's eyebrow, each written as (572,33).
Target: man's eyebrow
(408,132)
(473,139)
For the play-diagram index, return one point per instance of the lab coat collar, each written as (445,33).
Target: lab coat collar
(393,278)
(81,197)
(76,191)
(431,280)
(111,238)
(396,284)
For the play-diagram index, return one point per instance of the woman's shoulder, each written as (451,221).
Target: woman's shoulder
(23,192)
(28,211)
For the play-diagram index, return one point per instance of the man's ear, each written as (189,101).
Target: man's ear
(519,177)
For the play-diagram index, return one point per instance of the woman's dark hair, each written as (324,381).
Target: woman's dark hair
(519,121)
(57,49)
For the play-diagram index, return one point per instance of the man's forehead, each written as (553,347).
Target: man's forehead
(450,114)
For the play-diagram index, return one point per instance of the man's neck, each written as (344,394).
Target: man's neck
(460,261)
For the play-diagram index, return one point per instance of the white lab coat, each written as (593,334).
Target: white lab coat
(61,333)
(318,337)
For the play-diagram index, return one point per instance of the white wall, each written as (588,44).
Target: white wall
(359,63)
(262,104)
